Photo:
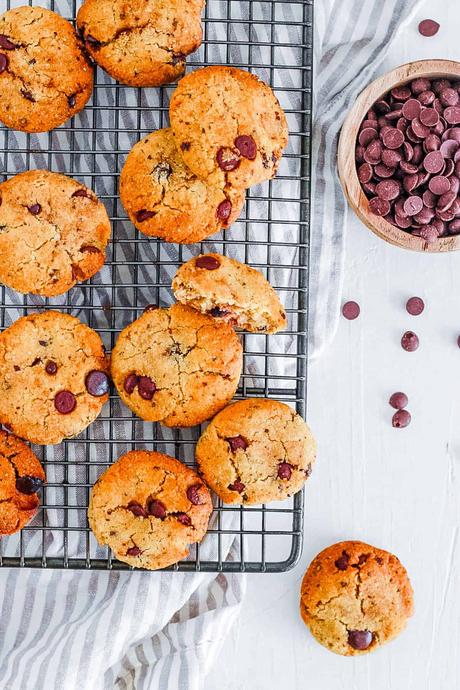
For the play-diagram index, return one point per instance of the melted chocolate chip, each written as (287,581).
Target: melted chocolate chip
(211,263)
(162,172)
(237,486)
(143,215)
(157,509)
(224,210)
(236,442)
(146,387)
(51,368)
(284,470)
(3,62)
(133,551)
(131,382)
(34,209)
(6,44)
(177,58)
(137,509)
(185,146)
(28,485)
(342,562)
(184,519)
(72,100)
(81,193)
(43,343)
(227,159)
(97,383)
(360,639)
(193,494)
(65,402)
(27,95)
(246,146)
(89,249)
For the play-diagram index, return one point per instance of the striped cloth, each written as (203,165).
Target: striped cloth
(99,631)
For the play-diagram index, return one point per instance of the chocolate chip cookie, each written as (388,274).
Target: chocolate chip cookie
(163,198)
(149,508)
(141,42)
(45,74)
(230,291)
(176,366)
(21,479)
(228,126)
(355,597)
(53,233)
(255,451)
(53,377)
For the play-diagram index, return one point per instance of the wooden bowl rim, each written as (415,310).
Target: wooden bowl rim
(346,154)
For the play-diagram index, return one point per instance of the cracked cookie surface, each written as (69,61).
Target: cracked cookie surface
(355,597)
(53,377)
(163,198)
(228,126)
(141,42)
(176,366)
(21,479)
(45,74)
(230,291)
(255,451)
(149,508)
(53,233)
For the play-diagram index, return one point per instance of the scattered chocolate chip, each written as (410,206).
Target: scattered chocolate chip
(3,62)
(351,310)
(89,249)
(236,442)
(379,560)
(185,146)
(224,210)
(29,485)
(130,383)
(210,263)
(133,551)
(360,639)
(6,44)
(43,343)
(136,509)
(193,494)
(428,27)
(343,561)
(72,100)
(218,312)
(363,558)
(156,508)
(97,383)
(34,209)
(146,387)
(27,95)
(65,402)
(36,361)
(227,159)
(415,306)
(284,470)
(409,341)
(144,215)
(401,419)
(184,519)
(237,486)
(177,58)
(81,193)
(246,146)
(51,368)
(398,400)
(162,172)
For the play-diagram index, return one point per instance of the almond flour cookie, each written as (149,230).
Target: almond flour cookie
(141,42)
(355,597)
(21,478)
(53,233)
(53,377)
(255,451)
(163,198)
(149,508)
(45,75)
(176,366)
(230,291)
(228,126)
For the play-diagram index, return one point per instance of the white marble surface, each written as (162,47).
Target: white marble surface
(397,489)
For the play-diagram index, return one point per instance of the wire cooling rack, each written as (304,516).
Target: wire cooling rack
(273,39)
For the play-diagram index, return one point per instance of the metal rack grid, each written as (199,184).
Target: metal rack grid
(272,38)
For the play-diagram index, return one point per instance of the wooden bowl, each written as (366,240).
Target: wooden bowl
(432,69)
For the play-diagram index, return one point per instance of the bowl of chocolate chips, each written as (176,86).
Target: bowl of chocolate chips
(399,156)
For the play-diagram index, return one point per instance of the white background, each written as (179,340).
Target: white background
(396,489)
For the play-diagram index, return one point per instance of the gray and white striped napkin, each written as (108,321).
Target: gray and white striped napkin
(143,631)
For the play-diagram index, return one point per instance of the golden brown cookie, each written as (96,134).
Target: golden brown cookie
(163,198)
(228,125)
(21,479)
(53,377)
(255,451)
(176,366)
(53,233)
(355,597)
(149,508)
(45,74)
(230,291)
(141,42)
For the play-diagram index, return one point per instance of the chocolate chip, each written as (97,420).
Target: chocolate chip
(146,387)
(130,383)
(89,249)
(185,146)
(27,95)
(28,485)
(193,494)
(144,215)
(133,551)
(97,383)
(184,519)
(177,58)
(236,442)
(72,100)
(224,210)
(34,209)
(360,639)
(401,419)
(136,509)
(210,263)
(6,44)
(51,368)
(65,402)
(81,193)
(156,508)
(415,306)
(343,561)
(428,27)
(227,159)
(351,310)
(398,400)
(246,146)
(162,172)
(3,62)
(237,486)
(284,470)
(409,341)
(218,312)
(43,343)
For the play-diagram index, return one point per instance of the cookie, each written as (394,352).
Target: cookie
(230,291)
(355,597)
(228,125)
(21,478)
(163,198)
(149,508)
(255,451)
(141,42)
(53,233)
(176,366)
(45,74)
(53,377)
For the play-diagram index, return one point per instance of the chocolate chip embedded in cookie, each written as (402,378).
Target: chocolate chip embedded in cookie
(53,233)
(176,366)
(141,42)
(21,479)
(228,125)
(149,508)
(165,199)
(255,451)
(45,75)
(230,291)
(355,597)
(53,377)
